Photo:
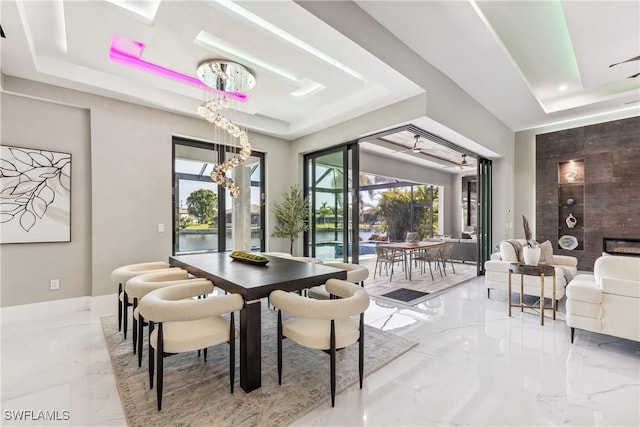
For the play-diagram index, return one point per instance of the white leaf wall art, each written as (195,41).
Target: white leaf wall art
(35,195)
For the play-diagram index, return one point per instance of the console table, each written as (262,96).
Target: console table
(531,270)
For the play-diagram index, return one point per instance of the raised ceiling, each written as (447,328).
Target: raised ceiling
(511,56)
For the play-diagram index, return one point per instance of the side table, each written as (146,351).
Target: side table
(531,270)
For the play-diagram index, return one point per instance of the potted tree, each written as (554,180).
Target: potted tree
(292,215)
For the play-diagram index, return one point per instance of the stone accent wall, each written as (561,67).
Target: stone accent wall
(611,153)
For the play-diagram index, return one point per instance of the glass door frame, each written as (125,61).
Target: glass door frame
(350,235)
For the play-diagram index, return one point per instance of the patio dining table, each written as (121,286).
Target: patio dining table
(408,249)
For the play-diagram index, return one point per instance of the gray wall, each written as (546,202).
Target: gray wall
(27,268)
(125,188)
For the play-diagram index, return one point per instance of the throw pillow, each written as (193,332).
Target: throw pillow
(546,252)
(510,251)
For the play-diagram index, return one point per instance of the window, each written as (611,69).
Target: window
(206,218)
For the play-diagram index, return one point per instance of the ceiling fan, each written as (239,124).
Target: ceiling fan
(417,146)
(464,162)
(637,58)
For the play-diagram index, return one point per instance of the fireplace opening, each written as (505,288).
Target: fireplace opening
(621,246)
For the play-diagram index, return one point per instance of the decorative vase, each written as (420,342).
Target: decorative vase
(571,221)
(531,255)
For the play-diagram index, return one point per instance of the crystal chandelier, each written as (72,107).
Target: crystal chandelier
(226,78)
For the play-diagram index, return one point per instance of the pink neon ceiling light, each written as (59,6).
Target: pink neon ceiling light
(129,52)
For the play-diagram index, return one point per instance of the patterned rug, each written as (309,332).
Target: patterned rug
(197,393)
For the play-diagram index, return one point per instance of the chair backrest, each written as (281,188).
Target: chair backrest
(278,254)
(174,303)
(353,300)
(432,253)
(356,273)
(139,286)
(383,253)
(307,259)
(412,237)
(446,250)
(126,272)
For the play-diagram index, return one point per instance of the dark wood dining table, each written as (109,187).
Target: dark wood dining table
(254,282)
(408,249)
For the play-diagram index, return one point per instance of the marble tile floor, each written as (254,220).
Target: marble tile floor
(473,366)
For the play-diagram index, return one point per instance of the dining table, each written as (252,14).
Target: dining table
(253,282)
(408,248)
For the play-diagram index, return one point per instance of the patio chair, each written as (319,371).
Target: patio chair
(427,256)
(387,257)
(446,254)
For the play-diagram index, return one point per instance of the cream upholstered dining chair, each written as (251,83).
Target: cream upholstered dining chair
(121,275)
(356,273)
(307,259)
(179,324)
(278,254)
(137,287)
(323,324)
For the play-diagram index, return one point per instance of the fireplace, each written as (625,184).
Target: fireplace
(621,246)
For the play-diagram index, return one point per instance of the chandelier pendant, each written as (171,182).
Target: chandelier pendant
(225,76)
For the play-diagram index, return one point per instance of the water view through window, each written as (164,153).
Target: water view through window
(206,218)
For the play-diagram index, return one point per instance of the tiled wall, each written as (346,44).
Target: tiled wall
(611,153)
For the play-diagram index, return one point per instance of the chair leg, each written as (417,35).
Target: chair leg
(140,338)
(361,350)
(159,373)
(431,271)
(119,308)
(151,357)
(125,313)
(573,331)
(232,350)
(488,293)
(333,363)
(279,347)
(205,354)
(135,326)
(452,266)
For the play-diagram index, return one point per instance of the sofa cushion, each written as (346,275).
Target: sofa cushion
(627,288)
(546,252)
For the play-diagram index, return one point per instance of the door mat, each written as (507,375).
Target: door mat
(405,295)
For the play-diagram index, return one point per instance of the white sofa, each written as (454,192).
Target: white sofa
(497,273)
(607,302)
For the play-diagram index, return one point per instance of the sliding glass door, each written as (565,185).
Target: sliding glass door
(485,212)
(331,183)
(206,217)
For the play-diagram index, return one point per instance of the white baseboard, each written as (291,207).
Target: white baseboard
(101,305)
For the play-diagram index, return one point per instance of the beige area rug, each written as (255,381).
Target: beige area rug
(384,283)
(197,393)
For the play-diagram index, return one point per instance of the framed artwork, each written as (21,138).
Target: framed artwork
(35,195)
